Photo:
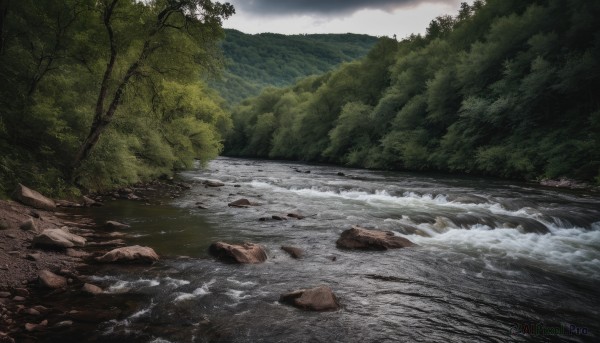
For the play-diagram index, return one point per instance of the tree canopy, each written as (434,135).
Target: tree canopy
(254,62)
(505,88)
(109,92)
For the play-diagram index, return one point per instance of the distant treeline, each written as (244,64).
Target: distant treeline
(509,88)
(254,62)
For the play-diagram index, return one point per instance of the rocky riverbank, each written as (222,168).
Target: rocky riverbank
(48,255)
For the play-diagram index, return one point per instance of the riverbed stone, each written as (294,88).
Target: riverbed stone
(240,203)
(29,225)
(361,238)
(50,280)
(293,251)
(91,289)
(32,198)
(130,254)
(213,183)
(320,298)
(58,238)
(238,253)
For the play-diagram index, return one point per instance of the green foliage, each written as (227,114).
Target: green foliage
(254,62)
(52,64)
(505,88)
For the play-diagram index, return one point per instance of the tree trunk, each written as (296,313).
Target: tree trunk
(3,14)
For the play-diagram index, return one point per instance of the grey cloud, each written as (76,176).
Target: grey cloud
(323,7)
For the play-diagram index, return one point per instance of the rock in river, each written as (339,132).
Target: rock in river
(32,198)
(314,299)
(240,203)
(114,225)
(213,183)
(293,251)
(238,253)
(131,254)
(361,238)
(57,238)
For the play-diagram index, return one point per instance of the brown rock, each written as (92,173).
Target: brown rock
(131,254)
(32,198)
(315,299)
(360,238)
(34,257)
(238,253)
(240,203)
(213,183)
(91,289)
(5,294)
(57,238)
(295,215)
(32,311)
(114,242)
(19,298)
(278,217)
(89,202)
(50,280)
(29,225)
(293,251)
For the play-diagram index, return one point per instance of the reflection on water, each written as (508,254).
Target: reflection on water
(492,256)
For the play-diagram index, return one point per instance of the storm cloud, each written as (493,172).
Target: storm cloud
(323,7)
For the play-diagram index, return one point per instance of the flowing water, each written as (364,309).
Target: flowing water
(496,261)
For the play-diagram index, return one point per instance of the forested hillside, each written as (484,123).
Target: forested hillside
(506,88)
(90,97)
(254,62)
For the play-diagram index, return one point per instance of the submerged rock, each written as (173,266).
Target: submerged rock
(361,238)
(32,198)
(50,280)
(320,298)
(293,251)
(213,183)
(131,254)
(91,289)
(240,203)
(114,225)
(238,253)
(57,238)
(295,215)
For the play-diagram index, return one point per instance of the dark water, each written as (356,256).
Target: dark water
(494,259)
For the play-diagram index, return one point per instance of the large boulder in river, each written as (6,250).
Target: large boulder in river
(361,238)
(131,254)
(57,238)
(32,198)
(314,299)
(238,253)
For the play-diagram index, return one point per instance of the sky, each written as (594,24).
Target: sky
(373,17)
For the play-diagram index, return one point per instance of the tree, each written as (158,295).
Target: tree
(198,21)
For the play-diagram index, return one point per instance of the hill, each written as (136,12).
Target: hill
(254,62)
(505,88)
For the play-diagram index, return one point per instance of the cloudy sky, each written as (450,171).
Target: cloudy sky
(373,17)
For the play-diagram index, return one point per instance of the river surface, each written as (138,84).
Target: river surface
(496,261)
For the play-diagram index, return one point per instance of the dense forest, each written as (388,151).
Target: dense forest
(506,88)
(101,93)
(254,62)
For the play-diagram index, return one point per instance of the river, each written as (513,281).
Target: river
(496,260)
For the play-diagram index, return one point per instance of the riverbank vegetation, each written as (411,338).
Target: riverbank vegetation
(97,94)
(505,88)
